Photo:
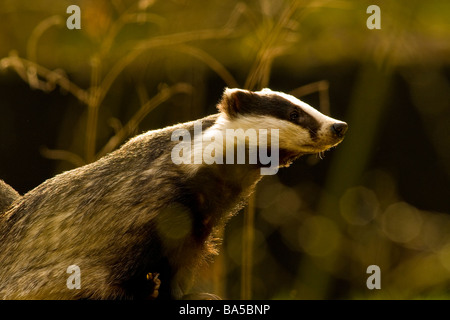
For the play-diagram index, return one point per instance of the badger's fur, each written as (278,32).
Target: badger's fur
(7,196)
(134,211)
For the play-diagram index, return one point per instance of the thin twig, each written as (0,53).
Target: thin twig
(93,109)
(37,32)
(259,74)
(158,42)
(126,18)
(210,61)
(319,86)
(64,155)
(132,124)
(52,78)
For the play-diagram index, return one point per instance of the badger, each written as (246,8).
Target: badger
(146,209)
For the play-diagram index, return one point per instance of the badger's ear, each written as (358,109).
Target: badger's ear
(234,101)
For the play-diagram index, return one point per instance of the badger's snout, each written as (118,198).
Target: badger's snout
(339,129)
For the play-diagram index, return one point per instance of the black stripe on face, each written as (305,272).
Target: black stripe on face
(280,108)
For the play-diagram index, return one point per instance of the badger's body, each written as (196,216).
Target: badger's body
(7,196)
(135,211)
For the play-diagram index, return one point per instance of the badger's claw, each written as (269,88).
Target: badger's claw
(154,283)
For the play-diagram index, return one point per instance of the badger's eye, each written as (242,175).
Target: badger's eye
(294,115)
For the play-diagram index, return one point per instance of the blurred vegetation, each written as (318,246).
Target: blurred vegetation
(381,197)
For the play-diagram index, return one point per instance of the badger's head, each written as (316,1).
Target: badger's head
(302,129)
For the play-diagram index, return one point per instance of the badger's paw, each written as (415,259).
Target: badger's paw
(154,283)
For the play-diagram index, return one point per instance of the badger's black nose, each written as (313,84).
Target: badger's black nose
(339,128)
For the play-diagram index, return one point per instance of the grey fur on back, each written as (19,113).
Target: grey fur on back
(7,196)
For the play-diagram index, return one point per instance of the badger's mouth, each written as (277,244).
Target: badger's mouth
(325,141)
(320,147)
(320,152)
